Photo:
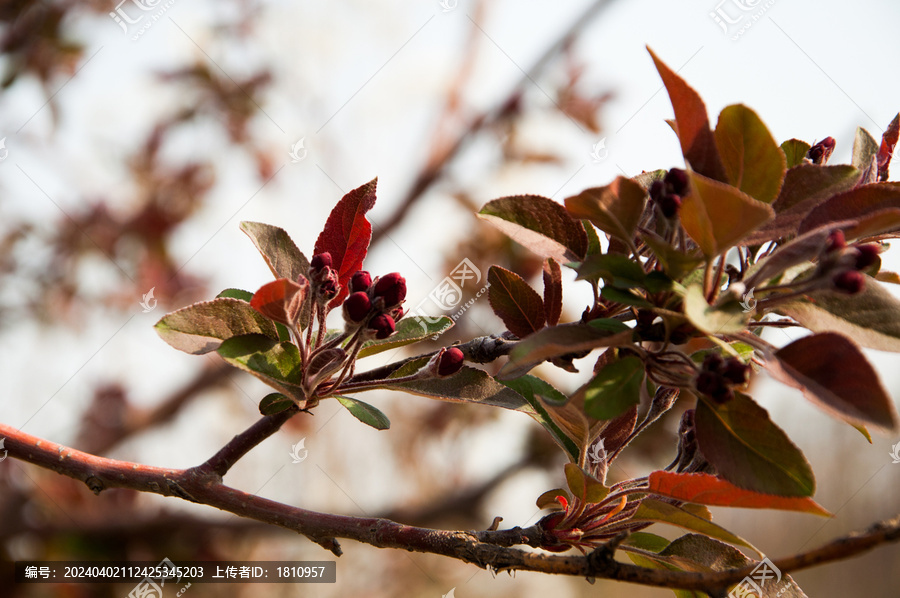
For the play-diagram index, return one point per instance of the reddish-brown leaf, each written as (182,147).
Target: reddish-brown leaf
(552,291)
(616,209)
(698,144)
(888,145)
(347,234)
(853,204)
(833,373)
(540,224)
(281,300)
(705,489)
(516,303)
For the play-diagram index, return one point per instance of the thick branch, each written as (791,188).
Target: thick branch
(485,549)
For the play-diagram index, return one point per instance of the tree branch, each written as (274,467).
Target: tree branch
(440,158)
(487,549)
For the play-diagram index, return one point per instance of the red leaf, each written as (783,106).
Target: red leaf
(833,373)
(281,300)
(552,291)
(347,234)
(705,489)
(698,144)
(516,303)
(888,145)
(853,204)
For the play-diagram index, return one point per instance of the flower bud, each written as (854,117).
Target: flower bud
(357,307)
(736,372)
(450,361)
(850,282)
(360,281)
(866,256)
(820,152)
(657,190)
(320,261)
(383,325)
(713,362)
(391,288)
(670,204)
(676,181)
(836,241)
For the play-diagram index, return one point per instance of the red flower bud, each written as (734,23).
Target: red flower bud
(391,288)
(820,152)
(736,372)
(383,325)
(320,261)
(397,313)
(657,190)
(357,306)
(835,241)
(670,204)
(676,181)
(450,361)
(360,281)
(868,255)
(851,282)
(713,363)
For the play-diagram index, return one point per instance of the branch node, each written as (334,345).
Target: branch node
(95,484)
(495,525)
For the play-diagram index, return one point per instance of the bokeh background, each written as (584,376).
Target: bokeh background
(132,149)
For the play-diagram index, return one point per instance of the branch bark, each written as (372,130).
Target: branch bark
(487,549)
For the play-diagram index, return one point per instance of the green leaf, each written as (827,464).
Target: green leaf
(514,302)
(540,224)
(717,216)
(236,294)
(469,385)
(833,373)
(871,317)
(675,263)
(616,270)
(583,485)
(865,152)
(200,328)
(698,144)
(278,249)
(283,334)
(646,541)
(662,512)
(547,500)
(274,403)
(750,451)
(753,161)
(807,185)
(410,330)
(624,297)
(533,389)
(365,413)
(561,340)
(728,319)
(615,388)
(616,209)
(275,363)
(795,151)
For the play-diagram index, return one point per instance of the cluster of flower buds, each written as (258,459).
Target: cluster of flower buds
(375,304)
(845,264)
(668,192)
(717,377)
(323,277)
(820,152)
